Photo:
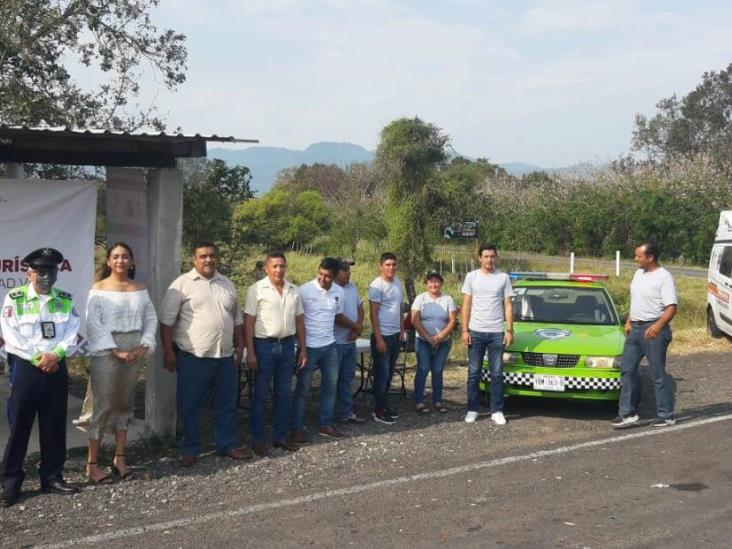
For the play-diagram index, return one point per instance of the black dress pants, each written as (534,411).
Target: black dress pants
(35,392)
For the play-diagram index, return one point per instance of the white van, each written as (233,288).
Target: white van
(719,280)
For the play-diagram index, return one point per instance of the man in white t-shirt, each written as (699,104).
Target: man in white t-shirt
(653,304)
(322,301)
(348,329)
(487,305)
(387,333)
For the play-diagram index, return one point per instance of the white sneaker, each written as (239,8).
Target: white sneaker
(470,417)
(498,418)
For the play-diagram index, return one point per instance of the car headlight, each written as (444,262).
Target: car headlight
(602,362)
(510,358)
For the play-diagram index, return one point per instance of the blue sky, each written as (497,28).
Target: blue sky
(546,82)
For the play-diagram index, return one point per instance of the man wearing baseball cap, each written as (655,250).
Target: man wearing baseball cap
(348,328)
(40,326)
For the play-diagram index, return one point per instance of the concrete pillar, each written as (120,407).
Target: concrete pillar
(14,170)
(165,229)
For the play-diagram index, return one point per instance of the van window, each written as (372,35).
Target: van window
(725,265)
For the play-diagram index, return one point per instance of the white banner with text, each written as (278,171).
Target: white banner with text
(56,214)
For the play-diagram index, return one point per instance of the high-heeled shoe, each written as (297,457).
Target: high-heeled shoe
(106,479)
(129,475)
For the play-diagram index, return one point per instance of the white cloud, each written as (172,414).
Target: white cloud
(573,17)
(554,84)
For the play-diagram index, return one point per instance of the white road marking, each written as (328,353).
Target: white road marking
(252,509)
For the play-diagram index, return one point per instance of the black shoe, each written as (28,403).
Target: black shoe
(383,417)
(353,418)
(8,499)
(621,422)
(664,422)
(59,486)
(393,413)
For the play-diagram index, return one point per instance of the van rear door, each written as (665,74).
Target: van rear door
(723,283)
(719,282)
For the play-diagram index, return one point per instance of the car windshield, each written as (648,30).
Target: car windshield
(562,304)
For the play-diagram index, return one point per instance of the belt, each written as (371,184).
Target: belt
(276,339)
(641,322)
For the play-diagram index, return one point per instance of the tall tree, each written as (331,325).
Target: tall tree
(461,189)
(279,219)
(41,39)
(409,153)
(699,123)
(211,193)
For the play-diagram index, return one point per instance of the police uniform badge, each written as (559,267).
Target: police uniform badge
(48,329)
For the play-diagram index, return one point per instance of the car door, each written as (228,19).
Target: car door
(724,285)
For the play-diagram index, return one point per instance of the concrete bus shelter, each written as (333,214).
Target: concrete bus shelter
(155,155)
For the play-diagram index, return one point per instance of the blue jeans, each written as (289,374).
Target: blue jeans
(275,362)
(430,359)
(493,344)
(383,369)
(346,373)
(325,358)
(636,347)
(196,376)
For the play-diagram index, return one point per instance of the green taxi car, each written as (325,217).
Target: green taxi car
(568,339)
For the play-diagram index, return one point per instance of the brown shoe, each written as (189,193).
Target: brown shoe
(261,450)
(300,437)
(286,445)
(330,432)
(187,460)
(238,453)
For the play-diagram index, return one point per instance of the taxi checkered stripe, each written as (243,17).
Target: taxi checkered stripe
(594,383)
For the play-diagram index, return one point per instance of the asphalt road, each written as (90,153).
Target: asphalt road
(661,489)
(556,475)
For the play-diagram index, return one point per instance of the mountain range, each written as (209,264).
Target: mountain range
(265,162)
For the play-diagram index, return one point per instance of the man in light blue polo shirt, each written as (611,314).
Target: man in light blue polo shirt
(321,301)
(387,333)
(348,328)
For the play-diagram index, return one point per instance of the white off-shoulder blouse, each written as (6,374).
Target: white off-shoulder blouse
(109,311)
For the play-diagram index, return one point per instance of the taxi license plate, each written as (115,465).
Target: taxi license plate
(548,383)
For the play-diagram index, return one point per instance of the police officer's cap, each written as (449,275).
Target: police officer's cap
(43,258)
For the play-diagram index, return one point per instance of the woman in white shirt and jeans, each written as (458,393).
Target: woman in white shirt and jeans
(434,316)
(121,325)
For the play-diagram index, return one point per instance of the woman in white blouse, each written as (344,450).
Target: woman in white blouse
(434,316)
(121,324)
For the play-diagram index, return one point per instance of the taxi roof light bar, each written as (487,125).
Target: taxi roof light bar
(576,277)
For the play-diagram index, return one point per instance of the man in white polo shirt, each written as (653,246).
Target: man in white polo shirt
(487,304)
(653,304)
(273,317)
(322,301)
(348,329)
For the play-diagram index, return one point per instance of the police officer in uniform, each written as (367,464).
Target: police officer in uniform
(39,325)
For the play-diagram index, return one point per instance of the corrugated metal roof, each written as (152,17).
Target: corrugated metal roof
(158,136)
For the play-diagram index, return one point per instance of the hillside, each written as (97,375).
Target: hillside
(266,162)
